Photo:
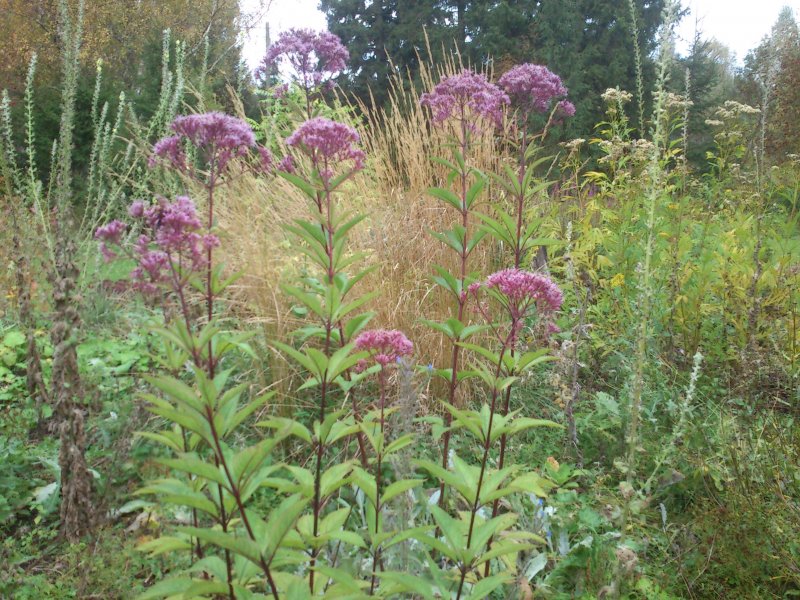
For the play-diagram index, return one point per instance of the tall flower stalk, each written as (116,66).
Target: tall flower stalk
(533,90)
(313,60)
(468,101)
(655,172)
(521,295)
(174,255)
(385,348)
(332,156)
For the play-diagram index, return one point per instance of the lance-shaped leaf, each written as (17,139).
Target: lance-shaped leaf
(447,196)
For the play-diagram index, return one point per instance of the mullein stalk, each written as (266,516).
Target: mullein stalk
(77,516)
(654,190)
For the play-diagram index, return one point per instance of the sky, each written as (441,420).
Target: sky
(739,24)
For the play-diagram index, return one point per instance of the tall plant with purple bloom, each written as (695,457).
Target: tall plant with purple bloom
(532,88)
(331,151)
(174,253)
(313,58)
(470,101)
(466,98)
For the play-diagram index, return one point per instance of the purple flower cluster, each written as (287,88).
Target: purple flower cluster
(328,143)
(313,56)
(565,108)
(218,136)
(532,88)
(110,233)
(465,93)
(174,246)
(521,287)
(171,249)
(519,290)
(385,345)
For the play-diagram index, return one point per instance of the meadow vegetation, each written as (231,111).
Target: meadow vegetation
(427,347)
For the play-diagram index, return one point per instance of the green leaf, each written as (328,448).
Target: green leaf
(191,464)
(453,529)
(306,361)
(299,183)
(399,487)
(474,191)
(290,426)
(447,196)
(164,544)
(281,521)
(532,484)
(484,588)
(13,339)
(399,444)
(178,391)
(238,545)
(174,587)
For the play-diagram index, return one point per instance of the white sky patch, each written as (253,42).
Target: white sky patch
(281,15)
(739,24)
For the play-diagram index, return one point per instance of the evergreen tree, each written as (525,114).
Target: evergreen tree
(385,32)
(589,43)
(711,69)
(770,81)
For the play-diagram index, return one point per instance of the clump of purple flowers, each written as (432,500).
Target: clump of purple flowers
(218,136)
(110,234)
(385,345)
(329,144)
(466,95)
(314,57)
(519,290)
(565,108)
(524,287)
(172,247)
(533,88)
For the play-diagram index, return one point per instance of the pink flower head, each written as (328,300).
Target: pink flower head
(169,149)
(266,161)
(136,209)
(279,91)
(218,136)
(519,290)
(565,108)
(176,244)
(286,164)
(110,233)
(385,345)
(328,143)
(467,92)
(314,57)
(532,88)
